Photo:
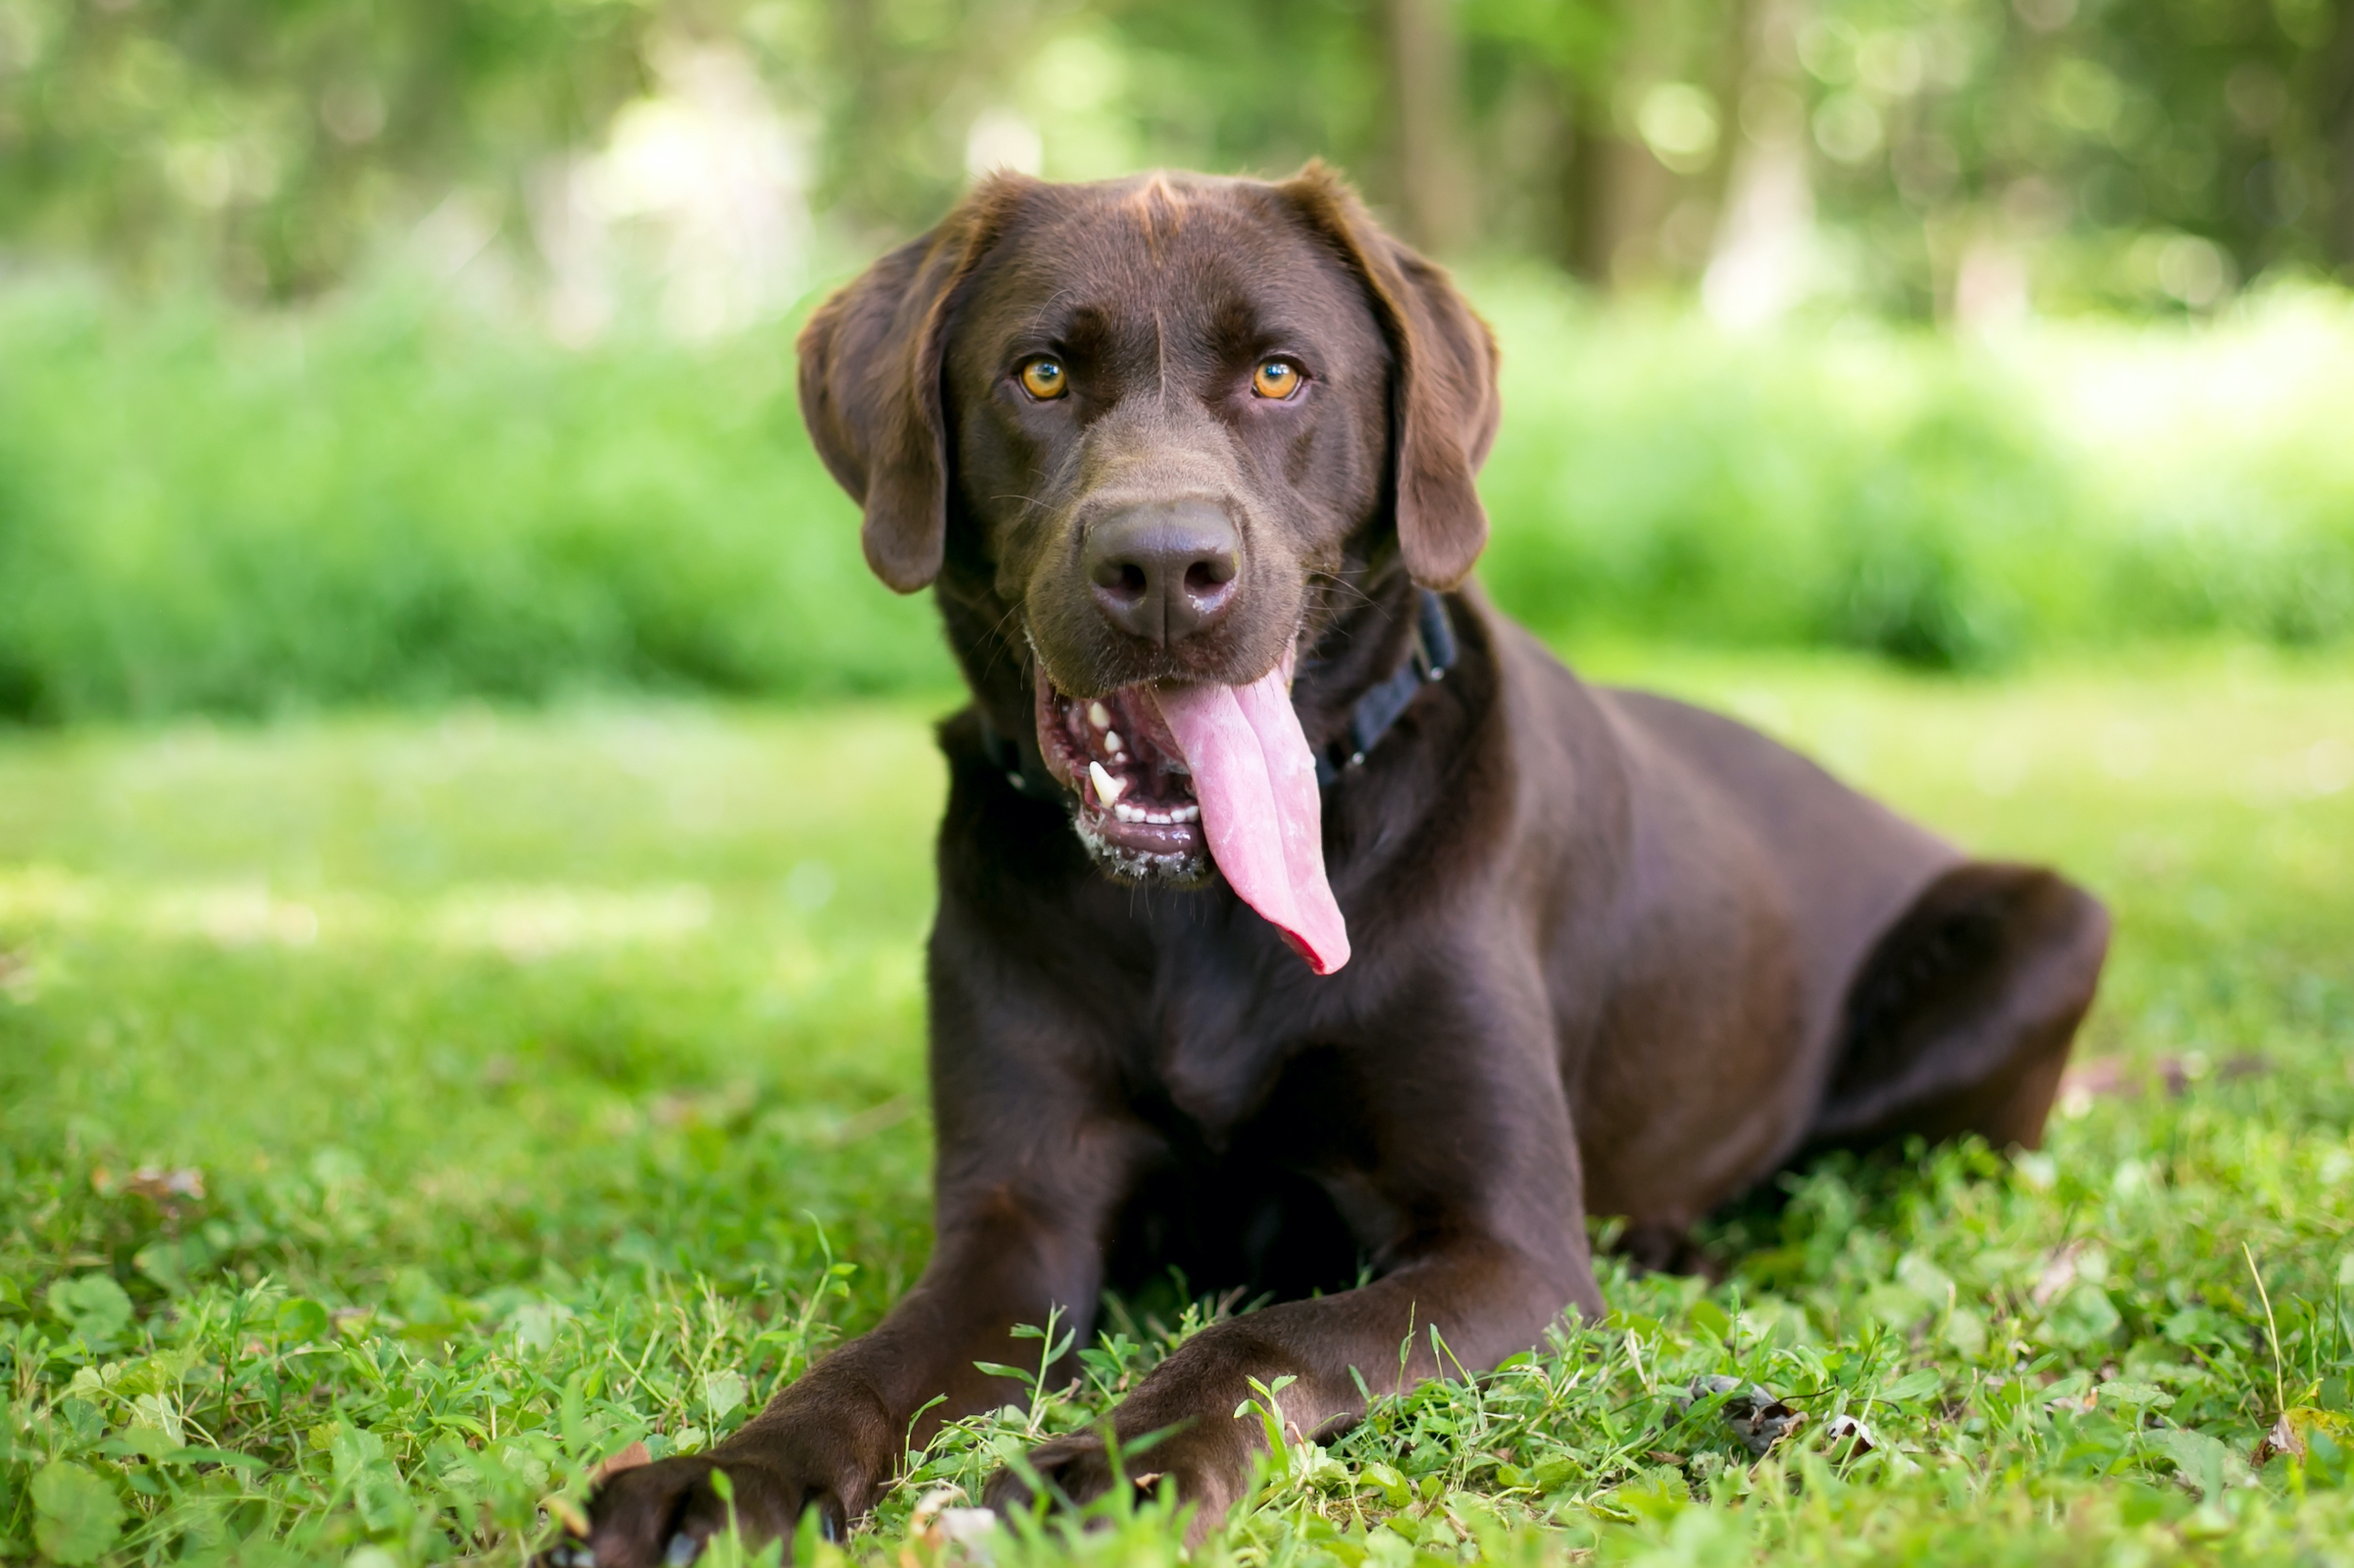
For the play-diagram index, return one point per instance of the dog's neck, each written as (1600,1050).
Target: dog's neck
(1364,671)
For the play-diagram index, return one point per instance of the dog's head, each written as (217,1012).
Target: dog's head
(1154,426)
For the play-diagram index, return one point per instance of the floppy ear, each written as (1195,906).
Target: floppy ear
(1442,406)
(870,371)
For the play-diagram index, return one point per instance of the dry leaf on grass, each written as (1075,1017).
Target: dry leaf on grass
(568,1514)
(2282,1439)
(1757,1416)
(630,1458)
(1855,1434)
(937,1524)
(2104,1077)
(2296,1425)
(166,1184)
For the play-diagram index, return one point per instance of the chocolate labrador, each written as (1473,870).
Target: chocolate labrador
(1304,925)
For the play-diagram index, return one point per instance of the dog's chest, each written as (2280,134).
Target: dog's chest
(1214,1074)
(1216,1048)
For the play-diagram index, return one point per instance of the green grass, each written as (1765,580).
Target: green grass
(392,498)
(555,1079)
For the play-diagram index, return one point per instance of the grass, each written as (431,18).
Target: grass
(397,1114)
(393,498)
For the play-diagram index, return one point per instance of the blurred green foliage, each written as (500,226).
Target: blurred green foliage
(261,144)
(2091,134)
(401,500)
(274,146)
(1949,504)
(285,420)
(395,504)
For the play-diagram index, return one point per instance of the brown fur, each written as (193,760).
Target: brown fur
(1613,955)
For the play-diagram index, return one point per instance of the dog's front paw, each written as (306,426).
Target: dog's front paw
(1076,1469)
(661,1515)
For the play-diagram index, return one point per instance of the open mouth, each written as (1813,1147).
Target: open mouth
(1137,808)
(1175,777)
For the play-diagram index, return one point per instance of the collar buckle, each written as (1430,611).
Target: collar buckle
(1432,656)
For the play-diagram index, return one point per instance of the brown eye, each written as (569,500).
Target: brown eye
(1277,379)
(1042,378)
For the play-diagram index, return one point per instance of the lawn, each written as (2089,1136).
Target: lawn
(400,1114)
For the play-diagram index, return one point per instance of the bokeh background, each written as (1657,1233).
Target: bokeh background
(465,808)
(369,351)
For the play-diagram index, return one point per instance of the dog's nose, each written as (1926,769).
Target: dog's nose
(1163,572)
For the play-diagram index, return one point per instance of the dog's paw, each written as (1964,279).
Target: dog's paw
(662,1515)
(1076,1469)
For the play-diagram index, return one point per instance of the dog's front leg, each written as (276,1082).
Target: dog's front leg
(1482,1162)
(1027,1174)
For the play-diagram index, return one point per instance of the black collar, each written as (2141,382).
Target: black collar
(1433,654)
(1431,657)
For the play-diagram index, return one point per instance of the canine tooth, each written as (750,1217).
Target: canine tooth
(1099,716)
(1112,740)
(1108,788)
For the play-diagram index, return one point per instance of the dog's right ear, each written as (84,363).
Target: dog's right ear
(870,374)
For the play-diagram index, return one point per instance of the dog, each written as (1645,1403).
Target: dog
(1304,925)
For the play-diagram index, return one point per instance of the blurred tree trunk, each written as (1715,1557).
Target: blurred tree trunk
(1614,191)
(1585,248)
(1437,196)
(855,109)
(2337,124)
(1617,194)
(1765,213)
(1747,57)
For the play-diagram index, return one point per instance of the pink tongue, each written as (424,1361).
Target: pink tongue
(1256,779)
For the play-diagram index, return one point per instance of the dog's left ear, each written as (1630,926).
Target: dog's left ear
(1444,406)
(870,373)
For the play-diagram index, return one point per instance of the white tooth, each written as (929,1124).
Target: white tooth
(1108,788)
(1187,813)
(1162,817)
(1099,716)
(1112,742)
(1128,814)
